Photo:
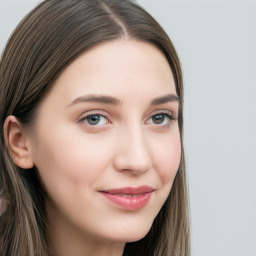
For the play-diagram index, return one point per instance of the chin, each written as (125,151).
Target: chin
(131,233)
(136,237)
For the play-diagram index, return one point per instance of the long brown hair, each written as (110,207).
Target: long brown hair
(46,41)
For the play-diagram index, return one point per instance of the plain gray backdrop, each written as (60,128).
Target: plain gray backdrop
(216,42)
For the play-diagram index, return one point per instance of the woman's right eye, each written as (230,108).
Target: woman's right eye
(95,120)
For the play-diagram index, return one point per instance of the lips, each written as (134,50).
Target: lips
(129,198)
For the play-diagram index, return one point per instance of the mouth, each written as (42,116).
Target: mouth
(129,198)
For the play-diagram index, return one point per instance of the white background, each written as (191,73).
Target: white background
(216,41)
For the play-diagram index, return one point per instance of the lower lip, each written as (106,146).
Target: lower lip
(134,202)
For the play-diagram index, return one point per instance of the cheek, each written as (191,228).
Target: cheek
(167,159)
(70,160)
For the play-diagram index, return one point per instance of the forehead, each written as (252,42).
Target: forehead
(120,68)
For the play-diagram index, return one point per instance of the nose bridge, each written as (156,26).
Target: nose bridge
(133,154)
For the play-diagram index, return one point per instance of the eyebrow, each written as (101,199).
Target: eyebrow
(96,98)
(109,100)
(165,99)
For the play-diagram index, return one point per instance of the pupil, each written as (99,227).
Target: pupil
(158,119)
(93,119)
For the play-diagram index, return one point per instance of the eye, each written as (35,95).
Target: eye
(161,119)
(95,120)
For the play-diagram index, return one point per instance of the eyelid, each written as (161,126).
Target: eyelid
(172,115)
(167,112)
(93,112)
(169,117)
(87,114)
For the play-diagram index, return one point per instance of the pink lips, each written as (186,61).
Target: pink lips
(129,198)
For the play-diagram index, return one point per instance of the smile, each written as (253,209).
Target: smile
(129,198)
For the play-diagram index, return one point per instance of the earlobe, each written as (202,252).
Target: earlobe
(17,143)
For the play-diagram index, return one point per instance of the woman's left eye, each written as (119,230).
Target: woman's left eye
(161,119)
(95,120)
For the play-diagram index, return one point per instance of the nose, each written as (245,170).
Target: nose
(132,154)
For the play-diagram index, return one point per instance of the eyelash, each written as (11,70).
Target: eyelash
(168,116)
(93,115)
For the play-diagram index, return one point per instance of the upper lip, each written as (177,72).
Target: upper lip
(130,190)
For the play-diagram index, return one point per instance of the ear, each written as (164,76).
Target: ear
(17,143)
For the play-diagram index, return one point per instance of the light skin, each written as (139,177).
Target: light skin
(110,121)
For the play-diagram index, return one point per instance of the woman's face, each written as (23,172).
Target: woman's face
(107,142)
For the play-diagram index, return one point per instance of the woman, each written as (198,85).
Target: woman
(92,158)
